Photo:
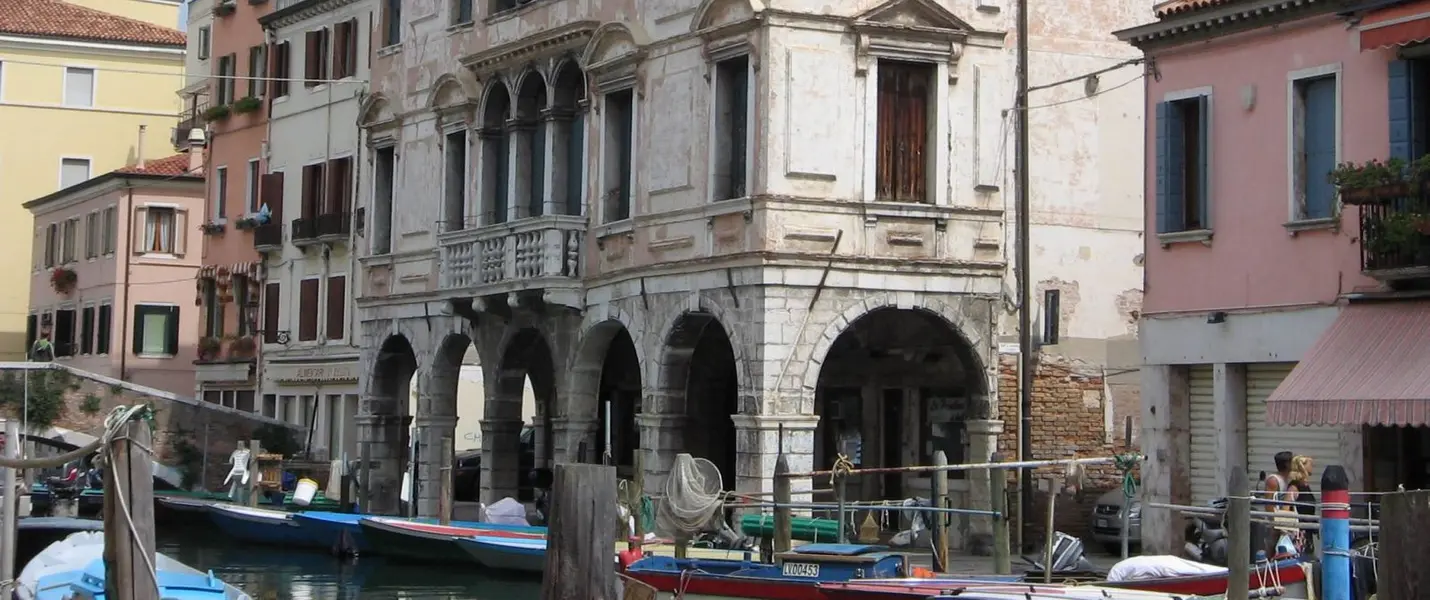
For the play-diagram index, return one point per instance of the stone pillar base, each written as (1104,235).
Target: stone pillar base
(760,444)
(500,459)
(430,433)
(569,433)
(982,443)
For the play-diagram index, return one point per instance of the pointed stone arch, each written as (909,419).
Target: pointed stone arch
(613,42)
(497,94)
(713,13)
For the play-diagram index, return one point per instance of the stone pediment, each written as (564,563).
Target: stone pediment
(916,14)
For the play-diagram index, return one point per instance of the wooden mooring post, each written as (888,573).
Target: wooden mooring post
(444,498)
(582,531)
(129,516)
(8,568)
(998,492)
(784,517)
(1238,526)
(942,521)
(1403,556)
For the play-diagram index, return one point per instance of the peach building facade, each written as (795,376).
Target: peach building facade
(114,261)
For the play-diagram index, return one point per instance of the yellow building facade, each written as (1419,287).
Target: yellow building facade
(76,87)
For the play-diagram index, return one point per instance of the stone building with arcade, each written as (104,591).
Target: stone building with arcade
(716,227)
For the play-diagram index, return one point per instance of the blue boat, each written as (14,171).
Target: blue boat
(343,533)
(74,568)
(794,576)
(260,525)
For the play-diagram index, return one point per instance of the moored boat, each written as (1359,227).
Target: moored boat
(794,576)
(259,525)
(342,532)
(939,589)
(406,540)
(513,555)
(74,568)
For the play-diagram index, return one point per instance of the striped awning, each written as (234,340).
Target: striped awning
(1372,367)
(222,275)
(1396,25)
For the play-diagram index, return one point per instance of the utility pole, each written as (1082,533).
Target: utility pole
(1025,286)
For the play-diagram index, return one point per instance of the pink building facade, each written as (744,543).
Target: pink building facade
(113,273)
(1264,288)
(230,286)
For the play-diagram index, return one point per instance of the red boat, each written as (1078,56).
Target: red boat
(983,590)
(1290,576)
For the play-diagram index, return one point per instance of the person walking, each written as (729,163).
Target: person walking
(1304,496)
(1277,491)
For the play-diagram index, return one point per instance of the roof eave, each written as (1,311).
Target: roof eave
(95,40)
(112,176)
(1224,20)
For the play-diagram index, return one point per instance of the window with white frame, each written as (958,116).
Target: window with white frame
(203,42)
(1314,141)
(731,113)
(79,87)
(618,155)
(220,193)
(156,331)
(93,234)
(71,239)
(73,171)
(253,177)
(164,230)
(111,229)
(903,151)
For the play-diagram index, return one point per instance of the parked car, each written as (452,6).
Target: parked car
(1107,521)
(467,479)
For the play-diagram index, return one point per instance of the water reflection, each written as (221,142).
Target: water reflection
(275,574)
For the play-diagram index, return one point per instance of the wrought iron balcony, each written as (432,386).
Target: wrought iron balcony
(268,237)
(1395,233)
(334,227)
(539,253)
(305,231)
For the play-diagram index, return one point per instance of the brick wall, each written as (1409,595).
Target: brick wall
(1070,419)
(179,422)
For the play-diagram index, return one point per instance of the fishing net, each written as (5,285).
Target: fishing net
(693,497)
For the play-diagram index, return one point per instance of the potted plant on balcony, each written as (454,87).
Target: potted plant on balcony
(1373,181)
(209,347)
(217,113)
(212,228)
(63,279)
(242,347)
(246,223)
(246,104)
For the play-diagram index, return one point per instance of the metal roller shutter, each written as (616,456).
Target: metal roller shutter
(1202,427)
(1263,441)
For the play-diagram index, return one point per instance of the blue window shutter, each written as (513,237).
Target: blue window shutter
(1204,111)
(1320,146)
(1173,149)
(1401,94)
(1164,155)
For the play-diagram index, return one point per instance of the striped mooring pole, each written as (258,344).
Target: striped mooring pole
(1335,534)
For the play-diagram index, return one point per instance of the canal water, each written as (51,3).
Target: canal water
(267,573)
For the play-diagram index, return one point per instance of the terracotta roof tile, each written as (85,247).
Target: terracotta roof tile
(1178,7)
(56,18)
(175,165)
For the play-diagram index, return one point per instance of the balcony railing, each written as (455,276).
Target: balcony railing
(334,226)
(1395,234)
(268,236)
(527,254)
(305,231)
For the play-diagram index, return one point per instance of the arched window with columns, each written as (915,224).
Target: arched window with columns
(496,175)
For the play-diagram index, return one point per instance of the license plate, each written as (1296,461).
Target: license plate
(1103,523)
(801,570)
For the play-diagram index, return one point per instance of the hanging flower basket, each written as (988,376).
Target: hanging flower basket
(209,347)
(63,279)
(1375,182)
(242,347)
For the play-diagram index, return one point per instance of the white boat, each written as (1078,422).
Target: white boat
(74,567)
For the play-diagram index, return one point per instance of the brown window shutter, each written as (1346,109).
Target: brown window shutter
(308,310)
(270,190)
(352,47)
(333,198)
(916,103)
(887,136)
(271,300)
(272,84)
(902,141)
(283,71)
(347,190)
(337,306)
(311,58)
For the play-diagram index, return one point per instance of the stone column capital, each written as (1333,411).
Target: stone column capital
(501,426)
(984,426)
(661,421)
(436,421)
(773,422)
(573,423)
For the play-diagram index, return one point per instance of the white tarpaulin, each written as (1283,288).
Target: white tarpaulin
(507,511)
(1157,567)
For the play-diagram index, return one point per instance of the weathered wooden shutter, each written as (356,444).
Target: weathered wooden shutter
(337,306)
(335,200)
(271,193)
(308,310)
(1170,168)
(1204,171)
(1319,145)
(140,311)
(273,73)
(181,231)
(311,58)
(272,298)
(886,129)
(903,118)
(340,54)
(141,229)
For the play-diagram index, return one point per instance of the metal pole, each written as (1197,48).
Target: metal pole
(1025,288)
(8,518)
(1238,529)
(1058,462)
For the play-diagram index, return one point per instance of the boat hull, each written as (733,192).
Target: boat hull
(260,526)
(74,567)
(796,577)
(393,540)
(510,555)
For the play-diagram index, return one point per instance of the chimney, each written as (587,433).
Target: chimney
(197,141)
(140,152)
